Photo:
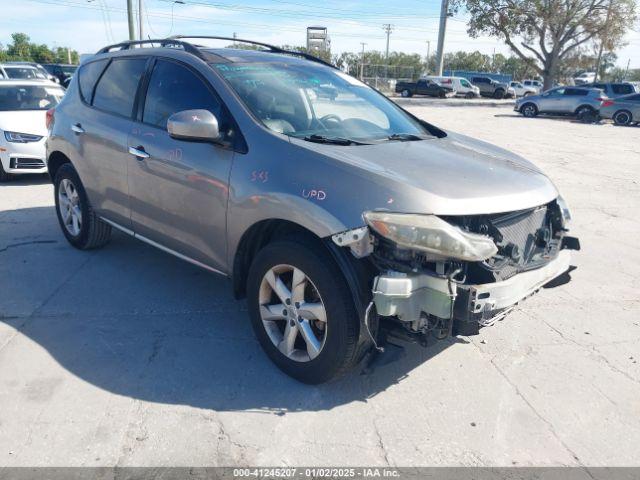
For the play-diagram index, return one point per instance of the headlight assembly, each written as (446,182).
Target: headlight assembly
(16,137)
(431,234)
(564,210)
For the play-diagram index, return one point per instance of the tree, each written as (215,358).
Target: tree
(21,49)
(544,33)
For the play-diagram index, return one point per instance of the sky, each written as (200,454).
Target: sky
(88,25)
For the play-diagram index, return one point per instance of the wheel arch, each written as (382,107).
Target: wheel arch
(584,105)
(358,273)
(54,161)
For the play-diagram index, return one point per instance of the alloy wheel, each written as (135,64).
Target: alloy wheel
(293,313)
(622,118)
(69,207)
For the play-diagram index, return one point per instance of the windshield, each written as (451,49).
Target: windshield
(464,83)
(311,101)
(23,73)
(29,97)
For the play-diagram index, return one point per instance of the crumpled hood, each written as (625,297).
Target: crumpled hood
(455,175)
(28,121)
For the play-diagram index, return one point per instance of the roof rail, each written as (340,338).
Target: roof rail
(188,47)
(270,48)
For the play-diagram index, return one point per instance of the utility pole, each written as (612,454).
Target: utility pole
(132,28)
(388,28)
(140,28)
(605,34)
(428,55)
(362,63)
(68,55)
(444,13)
(234,39)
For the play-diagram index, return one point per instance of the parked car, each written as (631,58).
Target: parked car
(460,85)
(491,88)
(424,87)
(23,104)
(613,90)
(61,71)
(20,72)
(537,85)
(339,219)
(522,91)
(39,68)
(623,110)
(584,77)
(581,102)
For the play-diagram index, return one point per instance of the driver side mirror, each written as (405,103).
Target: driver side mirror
(194,125)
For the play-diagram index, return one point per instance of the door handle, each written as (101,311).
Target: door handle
(76,127)
(138,152)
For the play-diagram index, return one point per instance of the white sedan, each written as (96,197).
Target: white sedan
(23,131)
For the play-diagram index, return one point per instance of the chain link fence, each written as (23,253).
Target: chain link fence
(385,77)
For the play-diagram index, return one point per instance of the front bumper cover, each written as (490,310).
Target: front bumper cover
(408,296)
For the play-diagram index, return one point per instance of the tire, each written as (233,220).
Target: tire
(586,114)
(622,118)
(498,94)
(529,110)
(470,95)
(4,176)
(338,349)
(91,231)
(406,93)
(442,94)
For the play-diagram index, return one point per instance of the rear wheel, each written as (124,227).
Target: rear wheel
(622,117)
(529,110)
(442,94)
(405,93)
(586,114)
(80,225)
(301,310)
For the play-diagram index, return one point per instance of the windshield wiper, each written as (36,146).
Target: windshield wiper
(331,140)
(404,137)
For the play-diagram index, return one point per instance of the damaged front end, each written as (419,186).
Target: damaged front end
(453,275)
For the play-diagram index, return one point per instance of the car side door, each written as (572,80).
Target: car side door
(179,188)
(100,126)
(551,101)
(422,87)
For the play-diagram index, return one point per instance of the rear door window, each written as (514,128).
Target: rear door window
(88,76)
(116,90)
(173,88)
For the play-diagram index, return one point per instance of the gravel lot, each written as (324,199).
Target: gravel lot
(128,356)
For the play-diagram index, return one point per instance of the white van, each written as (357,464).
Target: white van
(537,84)
(461,85)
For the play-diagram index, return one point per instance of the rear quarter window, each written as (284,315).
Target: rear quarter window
(88,76)
(622,88)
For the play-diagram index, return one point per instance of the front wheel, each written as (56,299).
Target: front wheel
(622,117)
(498,94)
(529,110)
(302,311)
(4,176)
(470,95)
(80,224)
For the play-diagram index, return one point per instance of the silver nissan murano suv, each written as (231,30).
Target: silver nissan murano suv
(343,219)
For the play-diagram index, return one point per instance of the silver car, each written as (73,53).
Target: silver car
(623,110)
(342,218)
(581,102)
